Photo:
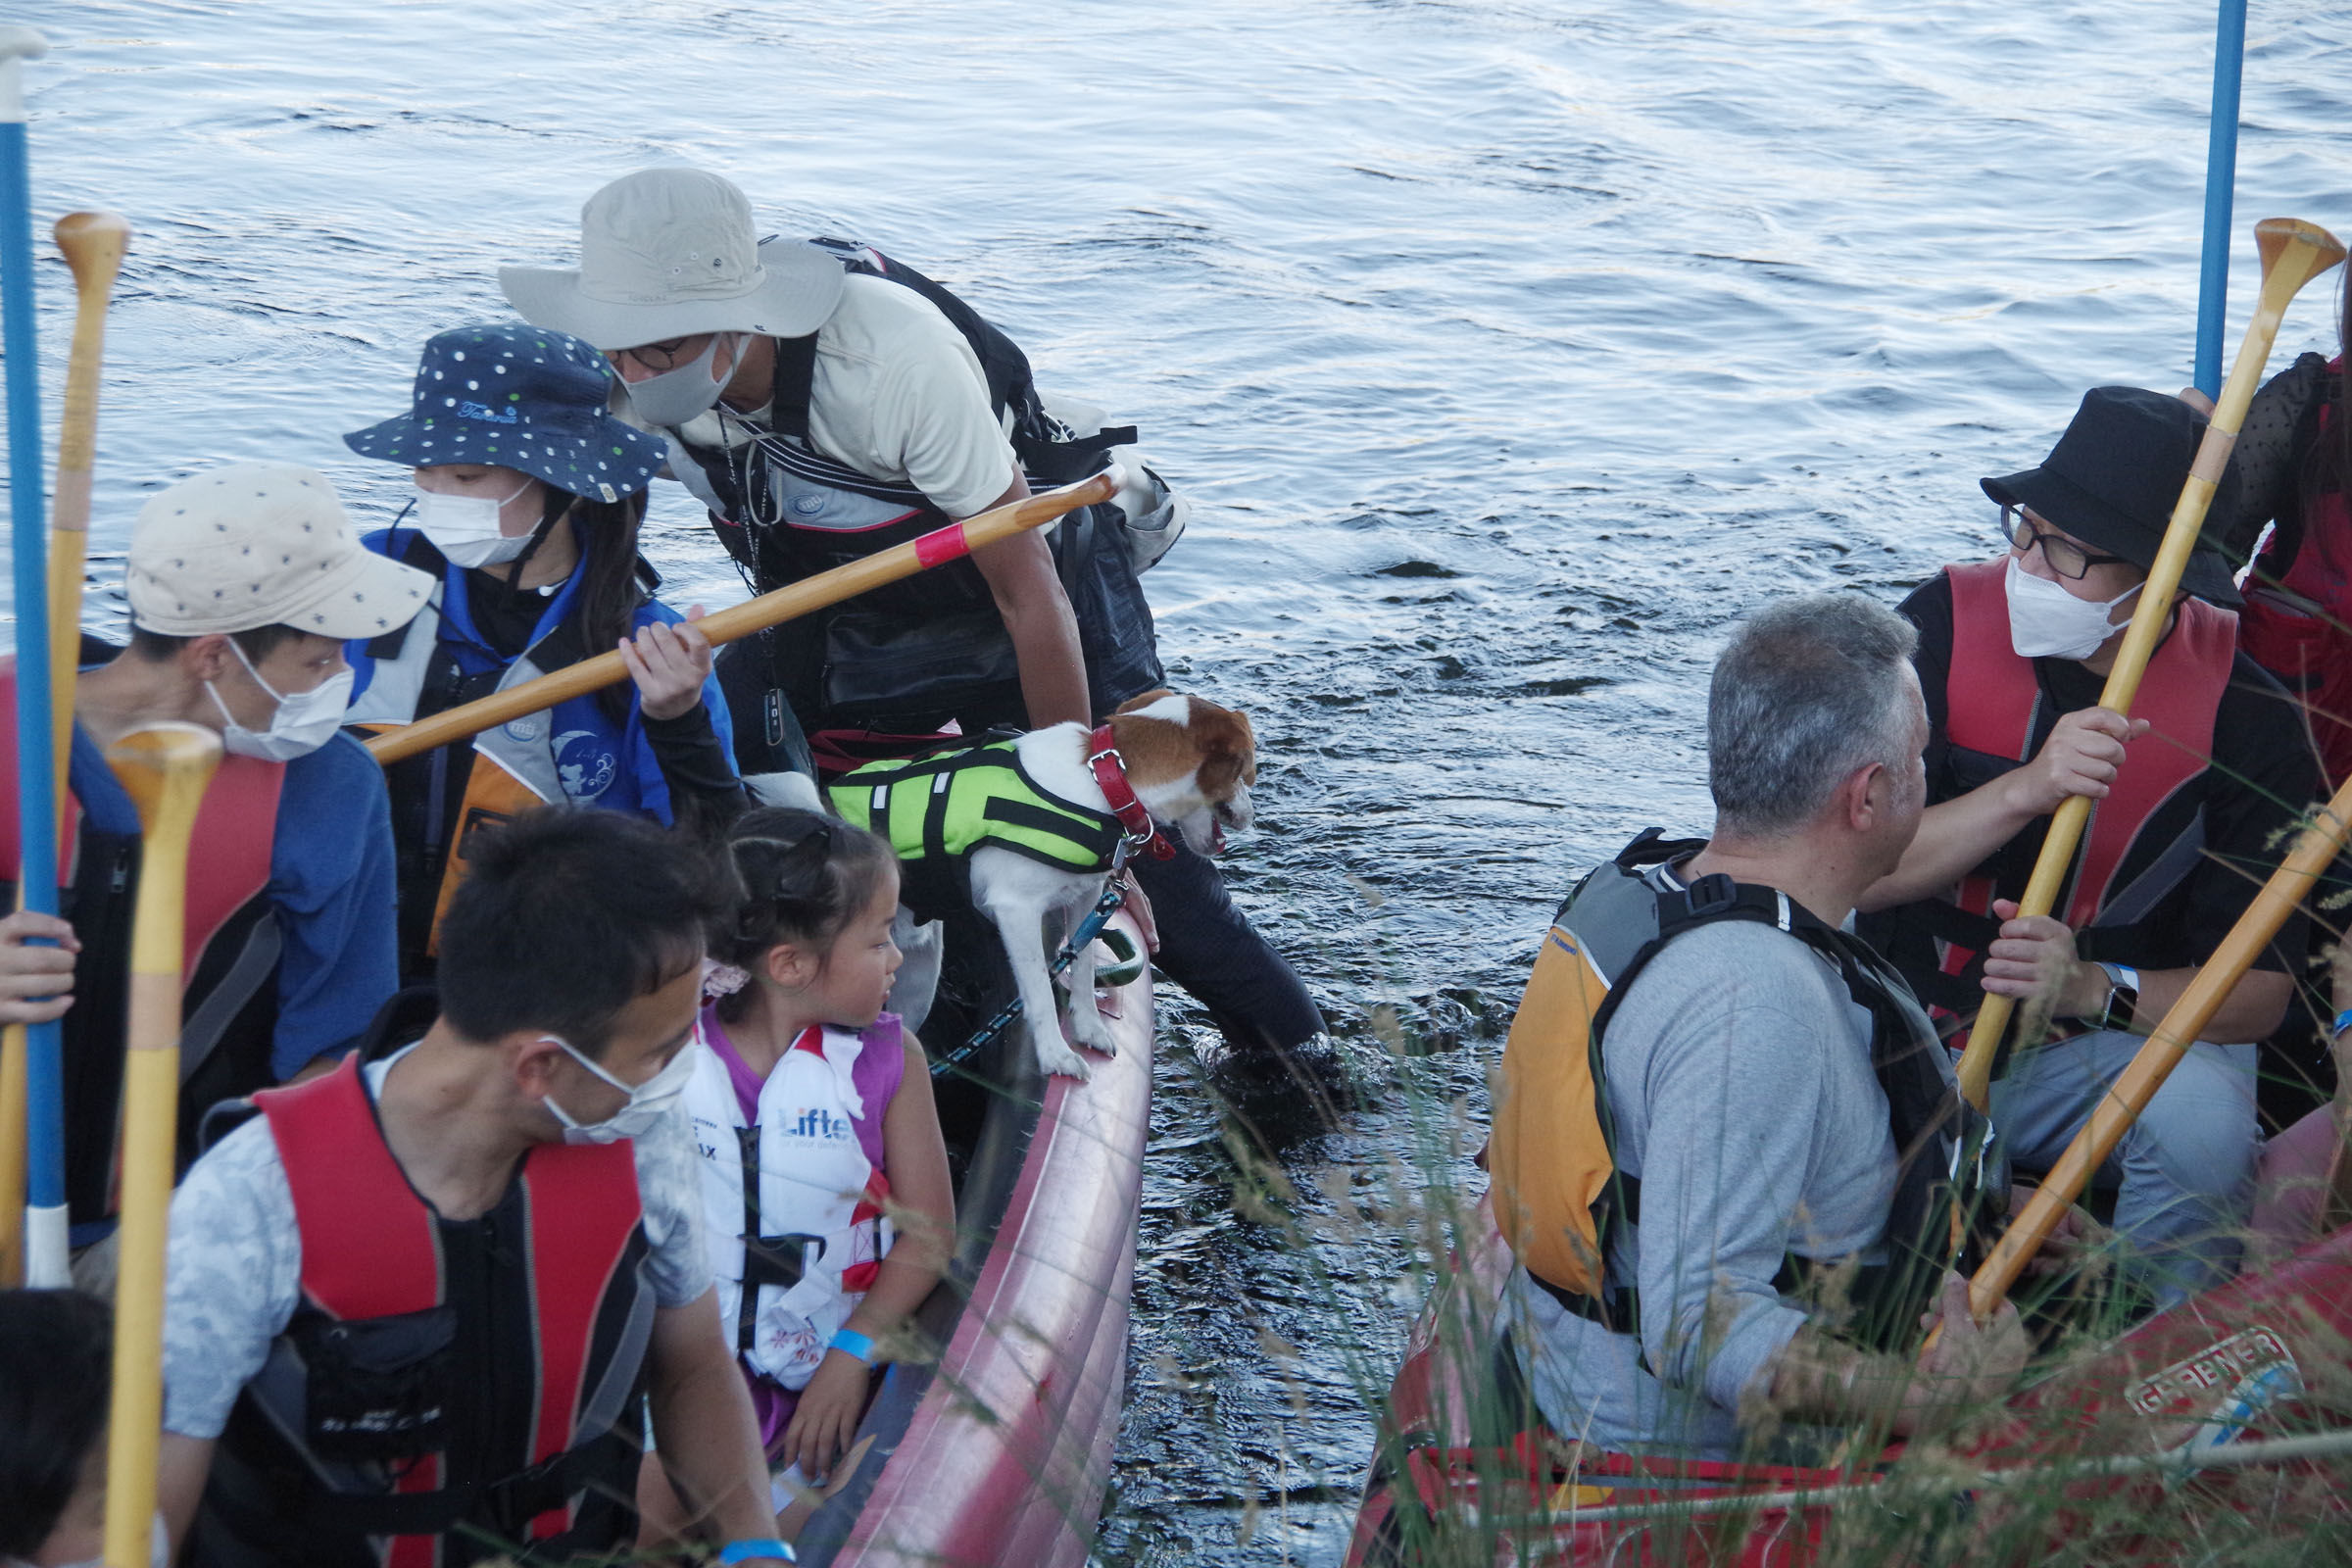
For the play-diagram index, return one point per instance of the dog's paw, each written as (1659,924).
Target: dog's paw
(1055,1058)
(1090,1031)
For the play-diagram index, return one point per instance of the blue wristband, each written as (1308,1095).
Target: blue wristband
(746,1550)
(2343,1021)
(860,1345)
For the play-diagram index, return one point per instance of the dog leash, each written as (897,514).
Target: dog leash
(1089,928)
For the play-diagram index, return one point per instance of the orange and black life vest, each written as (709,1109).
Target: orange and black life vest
(446,1392)
(230,993)
(1995,707)
(1558,1193)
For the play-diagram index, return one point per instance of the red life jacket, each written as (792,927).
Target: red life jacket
(229,994)
(2311,653)
(1994,700)
(446,1392)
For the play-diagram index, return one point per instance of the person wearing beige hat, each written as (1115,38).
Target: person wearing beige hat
(825,402)
(243,585)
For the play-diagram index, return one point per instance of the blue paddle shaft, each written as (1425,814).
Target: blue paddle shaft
(2220,181)
(36,786)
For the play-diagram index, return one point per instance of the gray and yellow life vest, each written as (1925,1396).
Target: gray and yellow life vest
(1559,1194)
(934,810)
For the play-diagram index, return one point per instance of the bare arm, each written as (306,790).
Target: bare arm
(2037,957)
(703,1427)
(2082,757)
(1019,572)
(181,1466)
(922,1204)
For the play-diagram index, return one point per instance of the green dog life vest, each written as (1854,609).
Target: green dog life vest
(937,809)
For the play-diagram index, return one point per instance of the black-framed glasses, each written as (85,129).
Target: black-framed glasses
(2064,556)
(666,355)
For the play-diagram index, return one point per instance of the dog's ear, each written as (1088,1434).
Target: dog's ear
(1228,748)
(1143,701)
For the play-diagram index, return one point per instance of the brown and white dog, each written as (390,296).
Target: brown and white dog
(1190,764)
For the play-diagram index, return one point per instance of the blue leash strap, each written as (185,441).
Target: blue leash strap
(1087,930)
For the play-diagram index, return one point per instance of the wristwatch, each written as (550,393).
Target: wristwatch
(2122,997)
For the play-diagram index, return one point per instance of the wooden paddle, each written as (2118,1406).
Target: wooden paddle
(934,549)
(2288,886)
(166,769)
(2293,253)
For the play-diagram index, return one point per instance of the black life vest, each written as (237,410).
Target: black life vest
(931,646)
(229,994)
(1558,1193)
(446,1392)
(1995,709)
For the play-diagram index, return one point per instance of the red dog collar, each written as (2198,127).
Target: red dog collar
(1119,794)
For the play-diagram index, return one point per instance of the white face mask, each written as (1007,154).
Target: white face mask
(464,528)
(677,396)
(648,1101)
(303,722)
(2045,621)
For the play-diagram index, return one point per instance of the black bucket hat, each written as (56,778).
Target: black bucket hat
(2113,478)
(515,396)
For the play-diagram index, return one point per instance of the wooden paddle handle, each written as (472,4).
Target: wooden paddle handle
(166,769)
(2288,886)
(934,549)
(2293,253)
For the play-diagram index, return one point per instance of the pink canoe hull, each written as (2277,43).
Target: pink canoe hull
(1007,1458)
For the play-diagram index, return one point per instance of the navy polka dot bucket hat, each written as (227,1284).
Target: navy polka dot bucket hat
(514,395)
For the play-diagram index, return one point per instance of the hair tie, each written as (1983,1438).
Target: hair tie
(723,979)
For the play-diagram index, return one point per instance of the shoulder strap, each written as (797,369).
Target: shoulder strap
(369,1245)
(796,376)
(1992,710)
(235,836)
(584,1208)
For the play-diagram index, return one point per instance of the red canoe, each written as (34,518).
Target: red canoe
(2267,1357)
(999,1453)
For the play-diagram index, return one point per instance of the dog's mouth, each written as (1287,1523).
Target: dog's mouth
(1216,837)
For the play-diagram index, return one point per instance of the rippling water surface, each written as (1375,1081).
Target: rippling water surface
(1509,348)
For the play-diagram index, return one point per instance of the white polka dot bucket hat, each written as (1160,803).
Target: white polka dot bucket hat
(668,252)
(262,543)
(513,396)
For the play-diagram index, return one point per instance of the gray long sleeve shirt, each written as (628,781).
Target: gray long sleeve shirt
(1737,1068)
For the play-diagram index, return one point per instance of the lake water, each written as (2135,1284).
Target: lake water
(1509,351)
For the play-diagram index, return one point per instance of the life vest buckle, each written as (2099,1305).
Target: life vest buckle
(1711,894)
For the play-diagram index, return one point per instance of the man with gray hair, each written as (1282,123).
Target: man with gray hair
(1708,1083)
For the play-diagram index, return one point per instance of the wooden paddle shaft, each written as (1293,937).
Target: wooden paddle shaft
(934,549)
(2288,886)
(2293,253)
(166,769)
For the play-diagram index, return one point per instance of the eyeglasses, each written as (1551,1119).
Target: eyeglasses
(2061,555)
(666,355)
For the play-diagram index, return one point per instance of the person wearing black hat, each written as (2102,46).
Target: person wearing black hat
(2195,794)
(528,498)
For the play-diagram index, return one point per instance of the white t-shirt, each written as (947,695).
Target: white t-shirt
(234,1274)
(899,395)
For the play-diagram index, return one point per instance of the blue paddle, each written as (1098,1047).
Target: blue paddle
(45,1254)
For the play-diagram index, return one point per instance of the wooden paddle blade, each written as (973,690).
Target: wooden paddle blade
(94,244)
(165,768)
(2274,236)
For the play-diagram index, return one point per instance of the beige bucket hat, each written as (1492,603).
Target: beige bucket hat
(668,253)
(263,544)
